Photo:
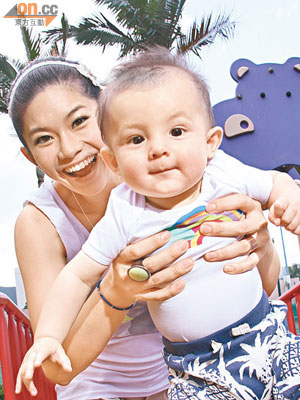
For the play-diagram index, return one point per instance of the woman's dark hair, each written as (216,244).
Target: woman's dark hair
(40,74)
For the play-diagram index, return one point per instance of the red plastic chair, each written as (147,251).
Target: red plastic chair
(292,319)
(15,339)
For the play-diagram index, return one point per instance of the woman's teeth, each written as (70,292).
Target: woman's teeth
(80,166)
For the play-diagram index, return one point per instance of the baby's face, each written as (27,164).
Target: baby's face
(158,135)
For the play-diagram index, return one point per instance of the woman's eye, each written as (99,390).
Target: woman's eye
(42,139)
(79,121)
(176,132)
(137,139)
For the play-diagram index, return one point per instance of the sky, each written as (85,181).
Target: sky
(267,31)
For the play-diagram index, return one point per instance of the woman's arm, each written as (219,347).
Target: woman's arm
(41,256)
(254,224)
(42,259)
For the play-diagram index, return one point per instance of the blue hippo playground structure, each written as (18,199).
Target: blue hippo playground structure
(262,122)
(262,128)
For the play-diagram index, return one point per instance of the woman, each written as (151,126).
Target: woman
(53,106)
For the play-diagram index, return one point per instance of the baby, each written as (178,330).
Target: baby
(221,334)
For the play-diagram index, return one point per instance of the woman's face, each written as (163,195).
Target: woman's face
(61,131)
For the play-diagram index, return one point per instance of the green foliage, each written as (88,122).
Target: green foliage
(8,71)
(35,46)
(1,392)
(9,67)
(59,35)
(140,23)
(31,42)
(294,271)
(205,33)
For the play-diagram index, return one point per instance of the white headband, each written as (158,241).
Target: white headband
(79,67)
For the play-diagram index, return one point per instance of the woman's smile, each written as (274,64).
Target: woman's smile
(82,168)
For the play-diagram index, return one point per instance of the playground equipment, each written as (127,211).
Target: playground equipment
(15,340)
(261,123)
(293,314)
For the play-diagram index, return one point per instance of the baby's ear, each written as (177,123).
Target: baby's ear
(26,153)
(214,139)
(109,158)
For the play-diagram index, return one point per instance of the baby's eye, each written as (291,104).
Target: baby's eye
(42,139)
(137,140)
(176,132)
(79,121)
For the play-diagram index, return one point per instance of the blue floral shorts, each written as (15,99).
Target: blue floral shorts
(255,359)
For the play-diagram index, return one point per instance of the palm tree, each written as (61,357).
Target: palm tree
(10,67)
(140,23)
(34,48)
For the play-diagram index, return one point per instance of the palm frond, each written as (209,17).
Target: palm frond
(9,68)
(140,17)
(65,31)
(126,12)
(56,34)
(175,10)
(31,42)
(100,31)
(149,22)
(4,91)
(59,36)
(155,27)
(8,72)
(205,33)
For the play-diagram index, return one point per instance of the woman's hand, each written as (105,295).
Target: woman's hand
(262,254)
(254,225)
(163,283)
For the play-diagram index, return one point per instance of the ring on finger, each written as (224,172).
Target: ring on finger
(138,272)
(252,242)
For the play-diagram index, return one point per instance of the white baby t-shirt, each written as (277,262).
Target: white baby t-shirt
(211,299)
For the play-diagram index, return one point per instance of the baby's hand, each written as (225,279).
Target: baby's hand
(43,348)
(285,212)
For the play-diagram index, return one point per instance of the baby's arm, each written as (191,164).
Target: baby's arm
(284,202)
(64,301)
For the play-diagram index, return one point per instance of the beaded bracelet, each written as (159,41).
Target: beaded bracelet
(108,303)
